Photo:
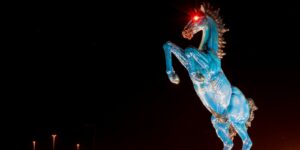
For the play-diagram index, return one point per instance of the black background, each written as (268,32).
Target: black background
(80,69)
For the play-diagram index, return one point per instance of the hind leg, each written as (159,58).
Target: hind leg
(222,129)
(238,116)
(242,131)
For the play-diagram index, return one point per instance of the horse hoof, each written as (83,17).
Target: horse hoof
(174,78)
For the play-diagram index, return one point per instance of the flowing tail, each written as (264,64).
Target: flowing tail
(252,109)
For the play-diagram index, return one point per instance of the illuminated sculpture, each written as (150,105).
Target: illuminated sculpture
(231,112)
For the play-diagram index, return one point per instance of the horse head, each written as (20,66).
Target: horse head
(207,20)
(198,22)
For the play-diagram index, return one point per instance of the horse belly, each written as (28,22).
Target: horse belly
(221,90)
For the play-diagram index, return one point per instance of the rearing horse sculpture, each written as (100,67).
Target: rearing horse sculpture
(231,112)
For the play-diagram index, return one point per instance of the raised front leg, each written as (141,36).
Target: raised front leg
(199,63)
(170,48)
(208,61)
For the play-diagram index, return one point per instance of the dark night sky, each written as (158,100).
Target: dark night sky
(74,65)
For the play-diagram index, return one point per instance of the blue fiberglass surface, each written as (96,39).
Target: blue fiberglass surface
(232,112)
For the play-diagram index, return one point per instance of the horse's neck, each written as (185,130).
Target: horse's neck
(204,39)
(210,36)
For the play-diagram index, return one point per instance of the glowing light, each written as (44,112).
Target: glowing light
(33,142)
(196,18)
(53,144)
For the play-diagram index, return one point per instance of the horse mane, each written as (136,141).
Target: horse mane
(214,14)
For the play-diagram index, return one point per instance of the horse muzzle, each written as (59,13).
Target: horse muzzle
(187,34)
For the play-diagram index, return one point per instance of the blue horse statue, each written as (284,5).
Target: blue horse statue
(231,112)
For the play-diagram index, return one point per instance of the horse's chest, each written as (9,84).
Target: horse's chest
(215,86)
(213,90)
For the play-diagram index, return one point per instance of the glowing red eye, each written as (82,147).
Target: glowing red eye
(196,18)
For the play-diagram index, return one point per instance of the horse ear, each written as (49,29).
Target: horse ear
(202,9)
